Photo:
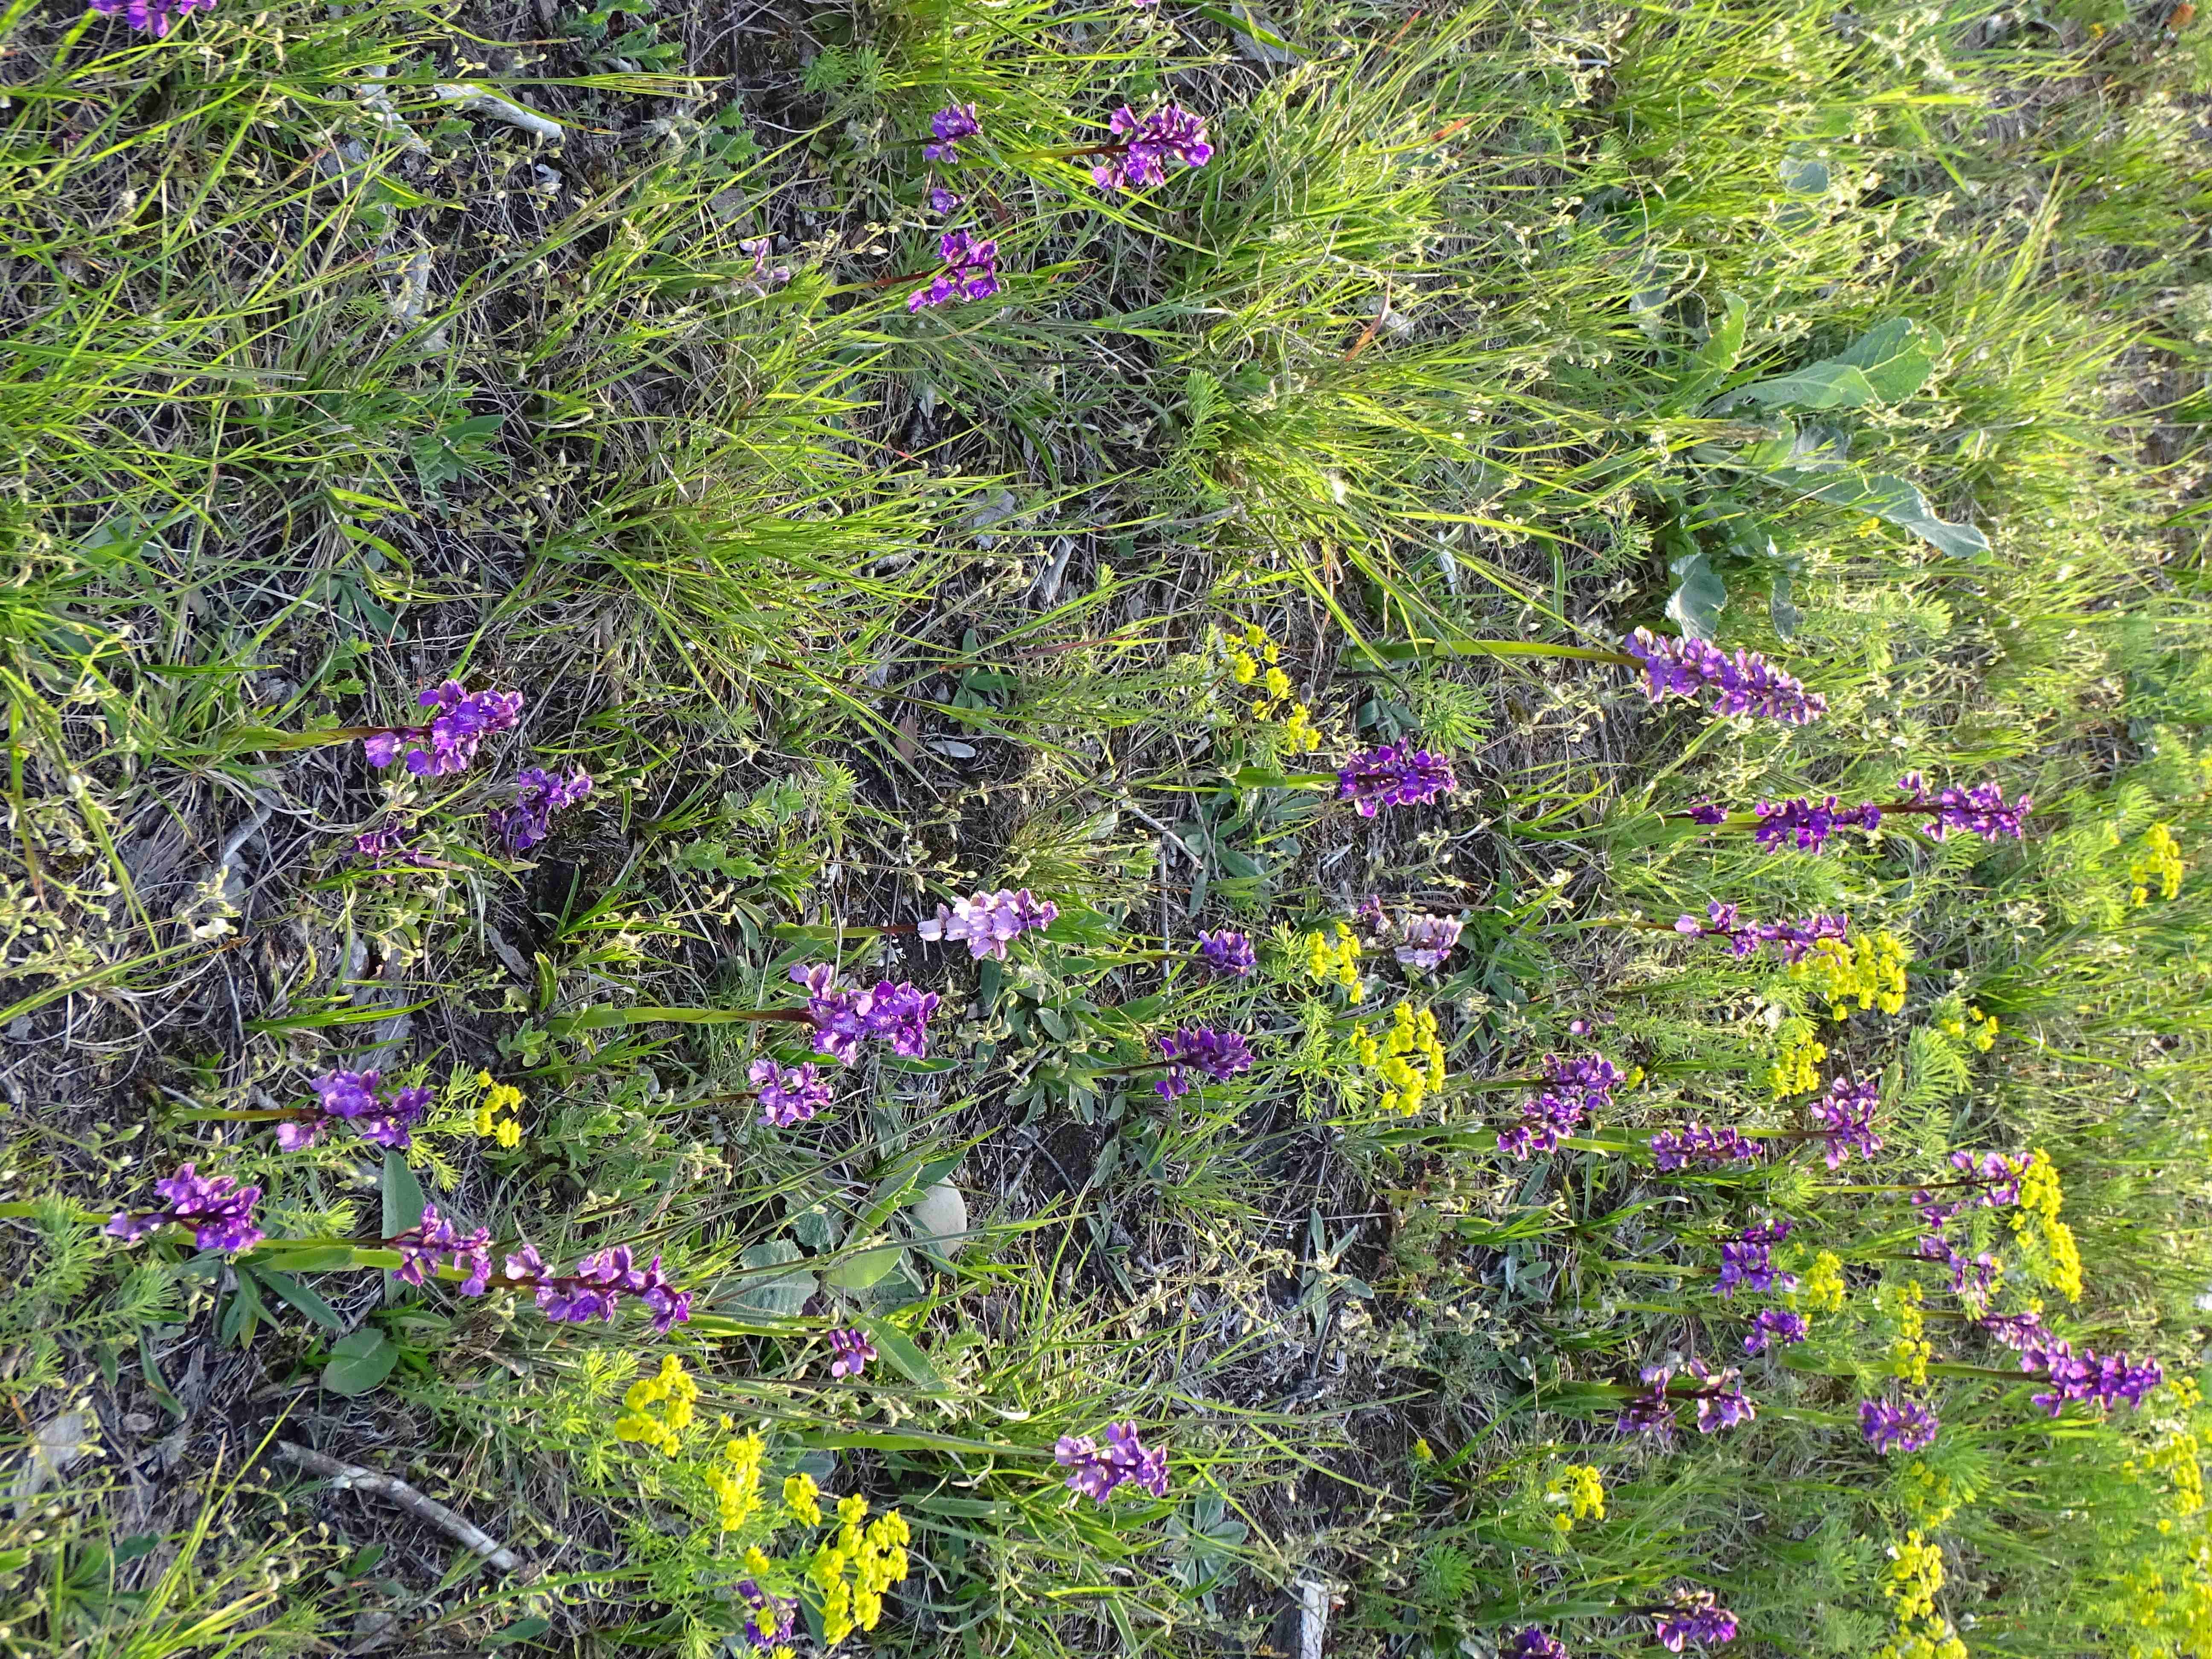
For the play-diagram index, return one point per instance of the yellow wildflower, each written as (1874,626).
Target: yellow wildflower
(1928,1495)
(2178,1457)
(1821,1287)
(1916,1574)
(1409,1058)
(1868,971)
(1578,1491)
(1934,1639)
(499,1097)
(1909,1351)
(802,1498)
(2053,1253)
(737,1489)
(876,1558)
(1796,1068)
(1334,960)
(2159,859)
(675,1393)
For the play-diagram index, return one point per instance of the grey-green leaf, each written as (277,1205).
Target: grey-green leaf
(301,1297)
(358,1363)
(1896,356)
(1804,175)
(781,1294)
(1715,359)
(894,1345)
(1782,605)
(1830,385)
(1898,501)
(1699,597)
(858,1273)
(404,1202)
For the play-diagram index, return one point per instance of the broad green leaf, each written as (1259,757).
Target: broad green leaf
(858,1273)
(782,1294)
(1896,357)
(1698,598)
(1830,385)
(1715,359)
(1782,605)
(1803,175)
(895,1346)
(358,1363)
(299,1296)
(1894,501)
(404,1202)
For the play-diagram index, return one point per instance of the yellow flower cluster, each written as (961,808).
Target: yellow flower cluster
(2036,1222)
(1935,1639)
(1796,1069)
(2158,860)
(1408,1055)
(737,1489)
(1971,1025)
(1929,1496)
(802,1500)
(2169,1619)
(1868,971)
(1821,1287)
(1333,960)
(854,1570)
(675,1393)
(1910,1350)
(1275,702)
(1578,1492)
(499,1097)
(1915,1573)
(2178,1458)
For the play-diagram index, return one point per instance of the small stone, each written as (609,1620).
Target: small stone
(940,1213)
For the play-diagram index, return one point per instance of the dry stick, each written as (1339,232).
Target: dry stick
(392,1488)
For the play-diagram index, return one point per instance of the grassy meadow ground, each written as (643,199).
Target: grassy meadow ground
(566,350)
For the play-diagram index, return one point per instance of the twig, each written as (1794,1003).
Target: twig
(392,1489)
(478,100)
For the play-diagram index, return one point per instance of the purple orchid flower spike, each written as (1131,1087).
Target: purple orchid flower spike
(1393,776)
(1428,939)
(1773,1325)
(538,795)
(215,1207)
(1149,145)
(1578,1087)
(1220,1055)
(1697,1618)
(988,921)
(971,272)
(420,1246)
(1908,1425)
(788,1094)
(1097,1471)
(947,128)
(449,743)
(1228,952)
(853,1349)
(153,17)
(1697,1143)
(1744,683)
(1845,1115)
